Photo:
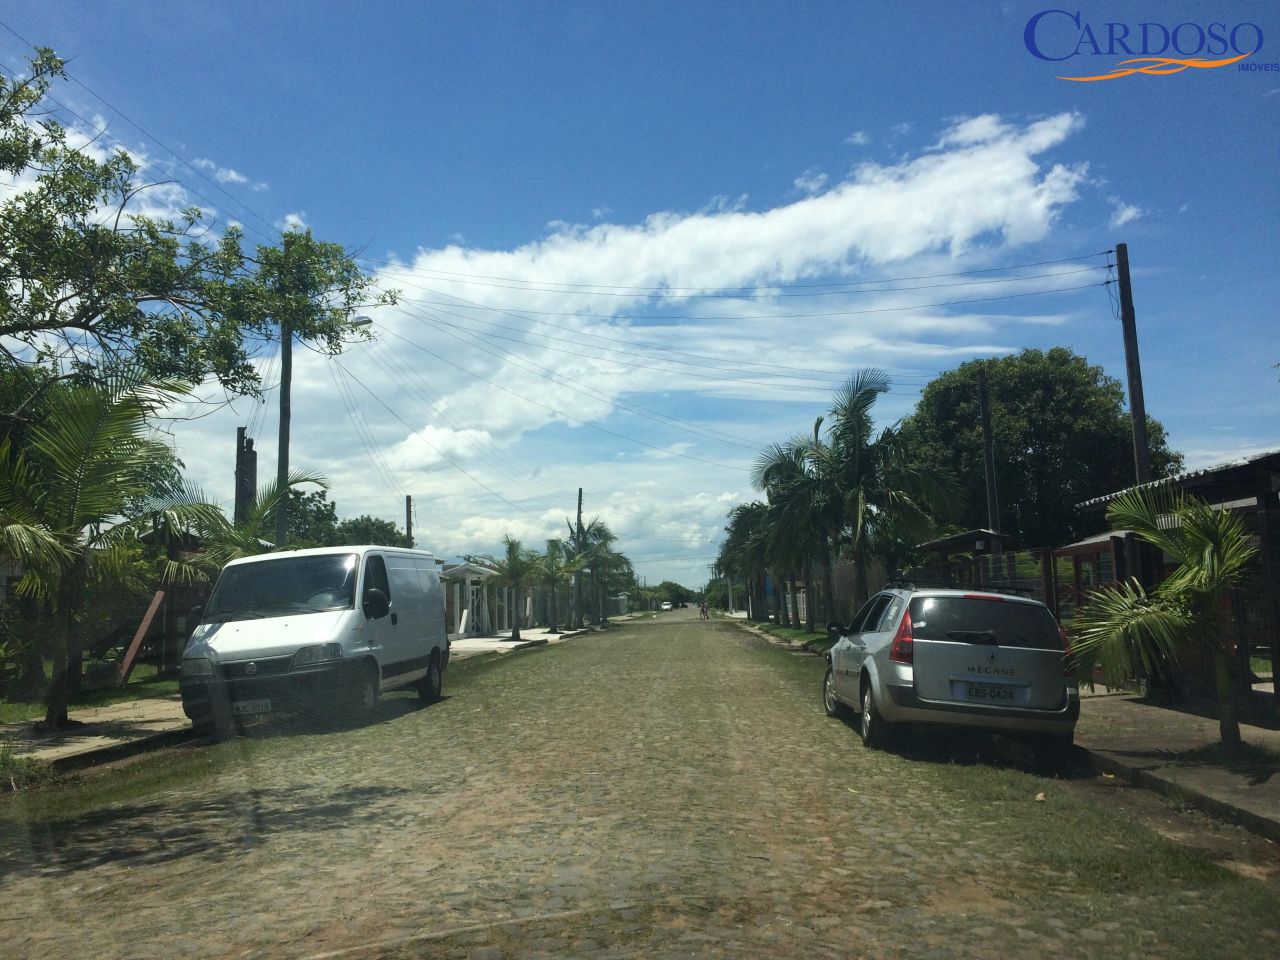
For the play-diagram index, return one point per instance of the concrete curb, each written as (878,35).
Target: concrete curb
(121,751)
(1103,762)
(1268,827)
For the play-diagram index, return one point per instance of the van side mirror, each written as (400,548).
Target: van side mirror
(376,604)
(194,615)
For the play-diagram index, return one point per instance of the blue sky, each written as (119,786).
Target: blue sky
(555,187)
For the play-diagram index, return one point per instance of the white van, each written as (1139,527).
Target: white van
(315,630)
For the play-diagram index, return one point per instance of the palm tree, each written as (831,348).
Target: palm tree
(597,543)
(554,568)
(885,497)
(800,509)
(223,540)
(1129,629)
(77,496)
(515,569)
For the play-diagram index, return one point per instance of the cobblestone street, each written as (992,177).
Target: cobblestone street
(669,788)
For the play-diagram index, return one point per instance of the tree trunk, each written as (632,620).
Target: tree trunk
(1228,723)
(67,646)
(795,600)
(861,586)
(808,595)
(519,613)
(56,700)
(551,610)
(827,582)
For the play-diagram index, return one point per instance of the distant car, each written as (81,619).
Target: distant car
(952,658)
(666,604)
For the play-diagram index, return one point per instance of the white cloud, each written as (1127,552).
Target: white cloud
(859,138)
(221,174)
(811,181)
(1123,213)
(596,333)
(296,220)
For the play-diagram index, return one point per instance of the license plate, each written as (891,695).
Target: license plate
(989,692)
(243,708)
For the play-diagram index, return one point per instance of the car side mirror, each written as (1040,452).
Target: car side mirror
(194,615)
(376,604)
(835,628)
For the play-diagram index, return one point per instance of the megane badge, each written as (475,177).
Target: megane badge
(991,658)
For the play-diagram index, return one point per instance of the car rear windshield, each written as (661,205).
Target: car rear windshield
(979,620)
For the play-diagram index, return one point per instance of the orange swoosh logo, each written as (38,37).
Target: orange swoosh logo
(1159,67)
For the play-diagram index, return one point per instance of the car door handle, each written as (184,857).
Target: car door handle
(394,619)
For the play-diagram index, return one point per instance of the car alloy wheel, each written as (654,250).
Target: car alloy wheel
(829,699)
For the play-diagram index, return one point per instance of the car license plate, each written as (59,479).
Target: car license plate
(989,692)
(245,707)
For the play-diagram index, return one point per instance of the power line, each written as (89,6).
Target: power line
(438,323)
(443,456)
(729,291)
(150,136)
(781,316)
(561,413)
(578,387)
(830,379)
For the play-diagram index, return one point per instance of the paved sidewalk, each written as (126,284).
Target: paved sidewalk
(108,733)
(1147,745)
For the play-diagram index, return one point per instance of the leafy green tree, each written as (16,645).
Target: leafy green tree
(313,520)
(1130,630)
(1061,435)
(88,280)
(66,500)
(367,529)
(845,489)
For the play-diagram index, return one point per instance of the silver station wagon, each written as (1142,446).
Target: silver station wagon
(958,658)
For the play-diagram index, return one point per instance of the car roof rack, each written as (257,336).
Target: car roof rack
(916,583)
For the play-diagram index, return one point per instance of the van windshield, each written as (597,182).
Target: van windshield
(283,586)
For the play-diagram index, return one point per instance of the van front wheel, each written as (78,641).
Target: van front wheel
(362,690)
(430,685)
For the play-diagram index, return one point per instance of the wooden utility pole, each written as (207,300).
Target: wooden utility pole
(282,457)
(577,577)
(988,451)
(408,519)
(1137,406)
(246,474)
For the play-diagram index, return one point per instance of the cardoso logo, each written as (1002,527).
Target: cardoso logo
(1156,49)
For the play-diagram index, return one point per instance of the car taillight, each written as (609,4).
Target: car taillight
(900,651)
(1067,652)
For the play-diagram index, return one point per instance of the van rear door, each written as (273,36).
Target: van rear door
(987,649)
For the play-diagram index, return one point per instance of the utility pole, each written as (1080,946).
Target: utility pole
(988,451)
(246,474)
(577,577)
(408,519)
(1137,406)
(282,456)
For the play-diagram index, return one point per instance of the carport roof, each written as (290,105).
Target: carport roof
(1234,480)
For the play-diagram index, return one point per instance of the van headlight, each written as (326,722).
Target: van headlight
(320,653)
(197,667)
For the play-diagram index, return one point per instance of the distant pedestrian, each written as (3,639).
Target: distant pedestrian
(702,611)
